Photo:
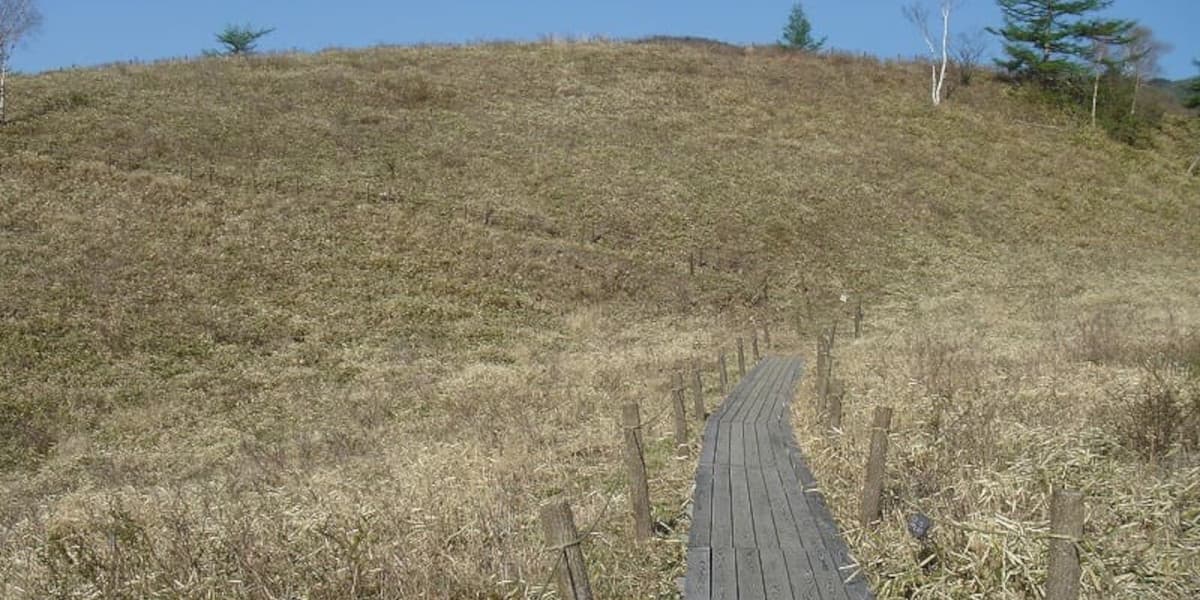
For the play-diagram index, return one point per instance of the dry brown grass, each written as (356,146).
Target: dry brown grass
(333,325)
(994,407)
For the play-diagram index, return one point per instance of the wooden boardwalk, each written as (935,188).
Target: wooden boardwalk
(760,530)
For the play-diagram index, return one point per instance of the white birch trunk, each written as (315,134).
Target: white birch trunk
(1137,86)
(3,79)
(1095,96)
(937,94)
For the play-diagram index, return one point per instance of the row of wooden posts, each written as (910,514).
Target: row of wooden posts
(558,522)
(1066,506)
(1066,512)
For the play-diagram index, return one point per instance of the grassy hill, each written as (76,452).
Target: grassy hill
(333,325)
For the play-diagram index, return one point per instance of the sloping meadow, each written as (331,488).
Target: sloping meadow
(334,325)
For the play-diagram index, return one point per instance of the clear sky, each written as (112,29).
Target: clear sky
(89,32)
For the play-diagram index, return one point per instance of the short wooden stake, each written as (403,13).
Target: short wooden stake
(724,374)
(1066,529)
(635,461)
(873,487)
(681,441)
(820,381)
(823,376)
(837,391)
(741,358)
(562,537)
(767,335)
(698,394)
(824,372)
(827,378)
(858,319)
(826,367)
(754,345)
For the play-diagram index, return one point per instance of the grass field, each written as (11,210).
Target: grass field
(333,325)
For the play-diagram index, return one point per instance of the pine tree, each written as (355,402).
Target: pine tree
(1051,40)
(798,35)
(241,39)
(1193,99)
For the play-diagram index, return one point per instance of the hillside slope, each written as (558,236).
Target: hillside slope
(338,322)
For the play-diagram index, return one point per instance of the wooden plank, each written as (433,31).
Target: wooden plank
(737,444)
(756,533)
(825,572)
(829,580)
(760,509)
(776,582)
(743,396)
(743,522)
(750,445)
(785,525)
(724,574)
(775,370)
(721,535)
(764,376)
(822,519)
(766,454)
(697,585)
(702,509)
(800,573)
(749,575)
(724,442)
(708,443)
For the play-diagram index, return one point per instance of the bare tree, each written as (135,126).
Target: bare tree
(17,19)
(1140,57)
(968,51)
(918,15)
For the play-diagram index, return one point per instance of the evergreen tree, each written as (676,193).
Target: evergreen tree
(798,35)
(1193,99)
(241,39)
(1051,40)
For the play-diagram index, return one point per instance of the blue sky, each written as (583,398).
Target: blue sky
(89,32)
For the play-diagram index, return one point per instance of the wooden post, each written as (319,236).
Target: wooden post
(1066,528)
(681,446)
(724,374)
(858,319)
(767,335)
(820,382)
(826,367)
(635,460)
(698,393)
(563,538)
(837,391)
(741,358)
(828,378)
(873,487)
(754,344)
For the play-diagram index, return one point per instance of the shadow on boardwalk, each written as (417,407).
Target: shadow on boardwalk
(760,530)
